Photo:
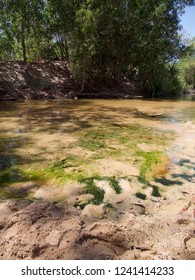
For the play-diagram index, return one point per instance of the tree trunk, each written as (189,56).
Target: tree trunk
(23,41)
(66,49)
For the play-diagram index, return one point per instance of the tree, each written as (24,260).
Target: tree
(130,37)
(186,67)
(61,19)
(20,22)
(103,40)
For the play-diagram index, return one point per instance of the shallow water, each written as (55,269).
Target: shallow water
(37,133)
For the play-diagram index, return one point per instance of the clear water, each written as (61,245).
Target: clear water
(39,132)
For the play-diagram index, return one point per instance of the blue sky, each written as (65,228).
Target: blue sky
(188,21)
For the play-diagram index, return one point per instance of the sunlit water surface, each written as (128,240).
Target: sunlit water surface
(39,132)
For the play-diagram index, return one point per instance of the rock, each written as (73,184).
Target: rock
(94,211)
(53,239)
(190,244)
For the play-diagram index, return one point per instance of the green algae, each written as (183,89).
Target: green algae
(126,136)
(153,164)
(98,193)
(106,140)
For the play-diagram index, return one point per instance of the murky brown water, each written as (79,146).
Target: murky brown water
(39,132)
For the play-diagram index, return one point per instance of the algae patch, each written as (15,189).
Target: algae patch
(106,151)
(153,164)
(97,192)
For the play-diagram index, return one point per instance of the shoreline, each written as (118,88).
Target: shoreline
(45,80)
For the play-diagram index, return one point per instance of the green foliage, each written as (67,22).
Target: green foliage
(162,80)
(22,24)
(186,68)
(189,74)
(103,40)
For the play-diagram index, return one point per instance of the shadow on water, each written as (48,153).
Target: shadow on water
(11,160)
(141,195)
(9,145)
(166,182)
(155,191)
(62,117)
(8,155)
(182,162)
(187,163)
(187,177)
(50,116)
(73,115)
(25,120)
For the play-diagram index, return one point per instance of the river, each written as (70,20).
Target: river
(65,141)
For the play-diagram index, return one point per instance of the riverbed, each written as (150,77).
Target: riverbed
(108,159)
(97,138)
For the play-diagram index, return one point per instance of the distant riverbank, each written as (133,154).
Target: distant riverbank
(52,80)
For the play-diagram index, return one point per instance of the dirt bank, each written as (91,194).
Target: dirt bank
(160,228)
(51,80)
(36,80)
